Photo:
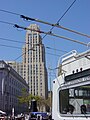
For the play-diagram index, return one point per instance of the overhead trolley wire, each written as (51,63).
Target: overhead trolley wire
(9,12)
(55,25)
(66,11)
(14,13)
(51,24)
(11,40)
(10,46)
(33,50)
(61,18)
(48,33)
(24,53)
(9,23)
(62,15)
(55,49)
(15,47)
(53,54)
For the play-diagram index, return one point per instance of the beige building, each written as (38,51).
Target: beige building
(33,65)
(17,66)
(35,72)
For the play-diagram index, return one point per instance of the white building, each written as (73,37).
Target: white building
(71,88)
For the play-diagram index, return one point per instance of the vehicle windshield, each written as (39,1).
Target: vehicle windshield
(75,100)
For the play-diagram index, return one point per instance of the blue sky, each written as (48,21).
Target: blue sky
(77,18)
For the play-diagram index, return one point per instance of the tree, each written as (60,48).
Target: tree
(40,101)
(27,98)
(24,96)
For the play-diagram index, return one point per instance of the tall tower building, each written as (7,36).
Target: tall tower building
(34,65)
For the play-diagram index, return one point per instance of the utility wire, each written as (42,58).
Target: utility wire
(62,16)
(56,49)
(66,11)
(53,54)
(45,53)
(10,46)
(7,23)
(47,47)
(51,34)
(50,29)
(48,33)
(5,39)
(27,51)
(14,13)
(23,54)
(55,25)
(9,12)
(38,21)
(33,49)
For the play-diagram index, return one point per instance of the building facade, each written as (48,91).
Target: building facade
(17,66)
(34,64)
(11,85)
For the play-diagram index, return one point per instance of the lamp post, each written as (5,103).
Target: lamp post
(50,90)
(50,82)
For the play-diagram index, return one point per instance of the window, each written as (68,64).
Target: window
(77,98)
(41,94)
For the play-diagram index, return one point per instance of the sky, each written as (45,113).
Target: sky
(76,18)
